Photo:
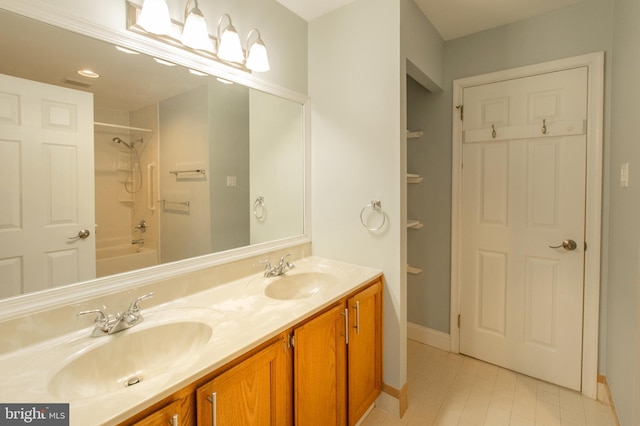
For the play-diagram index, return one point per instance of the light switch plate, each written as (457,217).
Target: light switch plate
(624,175)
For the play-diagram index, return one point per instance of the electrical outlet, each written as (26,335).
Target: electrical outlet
(231,181)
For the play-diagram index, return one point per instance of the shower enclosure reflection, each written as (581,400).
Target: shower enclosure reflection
(177,161)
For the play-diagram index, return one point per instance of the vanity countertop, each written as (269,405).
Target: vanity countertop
(240,317)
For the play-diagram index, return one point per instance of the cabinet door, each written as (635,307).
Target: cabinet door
(253,393)
(320,370)
(177,413)
(364,350)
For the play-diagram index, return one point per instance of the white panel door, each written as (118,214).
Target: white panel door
(523,190)
(46,185)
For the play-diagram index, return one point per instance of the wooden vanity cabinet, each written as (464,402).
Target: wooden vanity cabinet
(255,392)
(308,375)
(337,379)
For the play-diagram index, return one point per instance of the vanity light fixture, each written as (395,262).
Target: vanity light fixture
(154,17)
(88,73)
(257,59)
(193,36)
(194,33)
(229,47)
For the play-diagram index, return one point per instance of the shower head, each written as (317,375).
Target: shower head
(118,140)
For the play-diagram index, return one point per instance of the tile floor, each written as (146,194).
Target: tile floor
(451,389)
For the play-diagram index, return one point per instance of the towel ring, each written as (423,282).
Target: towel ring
(258,204)
(375,206)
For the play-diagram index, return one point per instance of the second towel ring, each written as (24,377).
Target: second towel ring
(374,205)
(258,204)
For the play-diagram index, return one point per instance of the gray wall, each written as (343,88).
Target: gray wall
(623,307)
(229,156)
(184,145)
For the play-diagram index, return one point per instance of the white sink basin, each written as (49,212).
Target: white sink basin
(127,358)
(299,286)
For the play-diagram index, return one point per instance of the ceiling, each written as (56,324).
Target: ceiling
(452,18)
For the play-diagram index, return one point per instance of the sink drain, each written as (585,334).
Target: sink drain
(133,381)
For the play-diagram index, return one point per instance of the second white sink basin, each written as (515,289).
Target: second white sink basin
(130,357)
(299,286)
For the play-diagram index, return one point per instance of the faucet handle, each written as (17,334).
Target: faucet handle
(134,305)
(101,317)
(283,257)
(267,264)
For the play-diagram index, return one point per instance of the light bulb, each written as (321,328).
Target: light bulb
(154,17)
(195,33)
(229,47)
(257,59)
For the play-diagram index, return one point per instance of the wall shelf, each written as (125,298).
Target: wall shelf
(414,224)
(413,270)
(414,178)
(414,135)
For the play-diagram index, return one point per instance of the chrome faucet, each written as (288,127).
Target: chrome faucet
(139,241)
(277,270)
(109,324)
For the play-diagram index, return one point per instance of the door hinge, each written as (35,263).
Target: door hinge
(458,320)
(292,340)
(461,108)
(585,246)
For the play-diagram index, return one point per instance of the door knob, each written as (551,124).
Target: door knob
(568,245)
(84,233)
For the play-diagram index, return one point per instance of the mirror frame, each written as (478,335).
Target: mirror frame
(18,306)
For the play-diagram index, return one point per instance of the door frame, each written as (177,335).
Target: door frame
(593,205)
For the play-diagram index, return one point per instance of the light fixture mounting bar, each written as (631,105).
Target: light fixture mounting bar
(133,12)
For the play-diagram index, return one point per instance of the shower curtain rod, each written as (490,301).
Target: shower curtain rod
(118,126)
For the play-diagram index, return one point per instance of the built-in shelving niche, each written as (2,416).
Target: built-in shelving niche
(412,178)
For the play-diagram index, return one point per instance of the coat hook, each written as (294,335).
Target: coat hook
(493,131)
(544,127)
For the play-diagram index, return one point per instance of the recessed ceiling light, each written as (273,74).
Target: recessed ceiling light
(163,62)
(127,51)
(88,73)
(198,73)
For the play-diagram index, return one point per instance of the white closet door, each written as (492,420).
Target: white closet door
(523,190)
(46,185)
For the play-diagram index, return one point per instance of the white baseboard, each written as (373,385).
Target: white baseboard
(428,336)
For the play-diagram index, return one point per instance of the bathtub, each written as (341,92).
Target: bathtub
(113,260)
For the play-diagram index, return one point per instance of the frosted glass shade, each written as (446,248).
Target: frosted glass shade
(154,17)
(257,59)
(195,33)
(229,47)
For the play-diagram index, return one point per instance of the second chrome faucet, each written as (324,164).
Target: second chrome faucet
(109,324)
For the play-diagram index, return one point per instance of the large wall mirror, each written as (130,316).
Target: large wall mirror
(147,164)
